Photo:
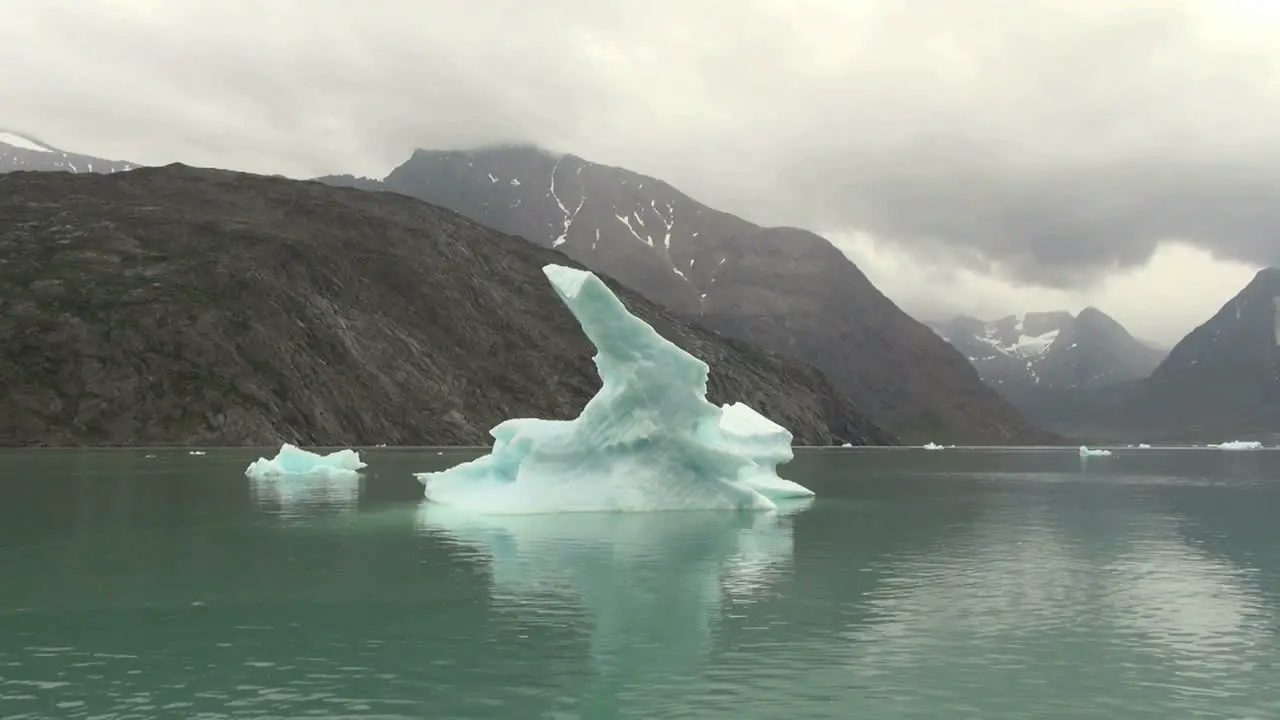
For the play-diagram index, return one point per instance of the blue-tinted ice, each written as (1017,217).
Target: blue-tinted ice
(649,440)
(294,461)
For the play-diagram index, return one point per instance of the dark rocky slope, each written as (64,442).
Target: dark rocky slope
(783,289)
(187,306)
(1221,382)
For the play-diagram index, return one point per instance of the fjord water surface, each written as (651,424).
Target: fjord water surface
(958,584)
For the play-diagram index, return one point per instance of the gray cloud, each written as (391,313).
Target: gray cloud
(1046,140)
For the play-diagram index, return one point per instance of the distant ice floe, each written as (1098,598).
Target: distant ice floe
(294,461)
(1238,445)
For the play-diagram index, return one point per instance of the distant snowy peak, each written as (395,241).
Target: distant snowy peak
(19,151)
(1050,350)
(1026,336)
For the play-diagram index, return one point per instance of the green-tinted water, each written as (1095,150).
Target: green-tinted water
(983,584)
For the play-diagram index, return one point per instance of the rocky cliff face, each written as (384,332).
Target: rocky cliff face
(184,306)
(783,289)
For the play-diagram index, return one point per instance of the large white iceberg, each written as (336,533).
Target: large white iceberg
(649,440)
(294,461)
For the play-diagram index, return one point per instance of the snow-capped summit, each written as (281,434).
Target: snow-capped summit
(1050,351)
(20,151)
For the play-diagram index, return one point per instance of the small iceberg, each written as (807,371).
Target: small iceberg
(1087,452)
(1238,445)
(294,461)
(649,440)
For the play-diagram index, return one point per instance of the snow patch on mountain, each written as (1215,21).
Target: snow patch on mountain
(1023,346)
(17,141)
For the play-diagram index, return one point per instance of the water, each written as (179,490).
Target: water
(977,584)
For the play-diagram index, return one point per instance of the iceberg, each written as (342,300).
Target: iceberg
(1238,445)
(767,444)
(649,440)
(294,461)
(1087,453)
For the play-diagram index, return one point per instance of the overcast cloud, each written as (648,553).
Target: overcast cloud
(1049,143)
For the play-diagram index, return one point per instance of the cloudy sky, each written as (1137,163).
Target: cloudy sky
(986,156)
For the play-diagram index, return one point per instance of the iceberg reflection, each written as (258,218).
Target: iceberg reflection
(303,495)
(653,583)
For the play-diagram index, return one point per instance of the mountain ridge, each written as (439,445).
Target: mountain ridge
(191,306)
(21,151)
(784,289)
(1023,355)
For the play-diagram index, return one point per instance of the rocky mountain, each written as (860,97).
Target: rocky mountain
(783,289)
(184,306)
(1024,355)
(1223,378)
(1221,382)
(21,152)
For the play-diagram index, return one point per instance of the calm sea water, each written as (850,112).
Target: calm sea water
(955,584)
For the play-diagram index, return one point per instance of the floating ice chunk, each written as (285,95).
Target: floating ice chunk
(932,446)
(767,443)
(1239,445)
(292,460)
(649,440)
(1086,452)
